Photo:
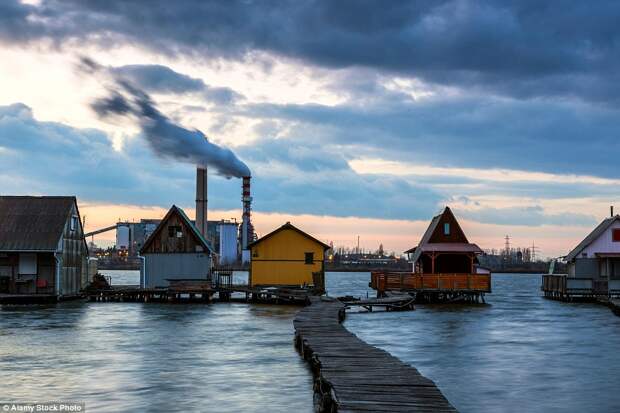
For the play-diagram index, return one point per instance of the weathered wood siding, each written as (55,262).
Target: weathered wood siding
(74,271)
(164,243)
(162,267)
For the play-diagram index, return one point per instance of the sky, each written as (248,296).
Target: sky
(354,117)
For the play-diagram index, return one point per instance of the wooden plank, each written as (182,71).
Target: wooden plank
(353,376)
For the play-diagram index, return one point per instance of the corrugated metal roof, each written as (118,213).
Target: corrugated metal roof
(600,229)
(29,223)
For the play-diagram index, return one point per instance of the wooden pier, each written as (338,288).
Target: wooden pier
(353,376)
(204,294)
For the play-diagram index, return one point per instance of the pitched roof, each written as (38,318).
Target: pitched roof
(593,236)
(30,223)
(175,209)
(448,246)
(290,226)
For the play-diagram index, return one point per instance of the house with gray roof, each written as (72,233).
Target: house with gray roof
(597,258)
(175,252)
(42,246)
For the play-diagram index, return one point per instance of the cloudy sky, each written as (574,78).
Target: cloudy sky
(355,117)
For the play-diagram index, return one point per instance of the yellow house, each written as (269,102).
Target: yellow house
(287,256)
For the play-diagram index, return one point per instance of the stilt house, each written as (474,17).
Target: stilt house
(444,248)
(594,264)
(288,257)
(175,252)
(444,265)
(42,246)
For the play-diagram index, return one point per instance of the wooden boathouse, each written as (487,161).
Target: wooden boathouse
(288,256)
(593,266)
(43,254)
(176,252)
(444,265)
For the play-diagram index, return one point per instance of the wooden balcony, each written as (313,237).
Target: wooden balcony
(407,281)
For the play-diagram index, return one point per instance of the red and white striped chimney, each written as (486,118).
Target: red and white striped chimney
(247,231)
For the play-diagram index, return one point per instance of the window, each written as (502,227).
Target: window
(446,228)
(174,231)
(74,222)
(309,257)
(27,263)
(615,235)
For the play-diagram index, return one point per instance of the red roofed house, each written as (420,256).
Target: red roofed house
(444,265)
(444,248)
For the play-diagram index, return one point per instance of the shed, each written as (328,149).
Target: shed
(287,256)
(42,246)
(175,251)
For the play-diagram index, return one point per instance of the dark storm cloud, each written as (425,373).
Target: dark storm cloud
(519,48)
(476,132)
(53,158)
(162,79)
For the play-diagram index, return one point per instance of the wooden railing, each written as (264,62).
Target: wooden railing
(562,285)
(383,281)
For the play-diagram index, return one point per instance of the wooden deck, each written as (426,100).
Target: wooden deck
(24,299)
(353,376)
(202,293)
(433,287)
(565,288)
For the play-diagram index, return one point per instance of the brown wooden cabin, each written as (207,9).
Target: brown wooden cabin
(175,252)
(443,261)
(42,246)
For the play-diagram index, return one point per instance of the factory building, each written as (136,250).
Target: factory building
(227,242)
(176,250)
(287,257)
(42,246)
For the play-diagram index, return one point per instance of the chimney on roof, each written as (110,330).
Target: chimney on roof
(612,210)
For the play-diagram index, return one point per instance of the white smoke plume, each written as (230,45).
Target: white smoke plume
(166,138)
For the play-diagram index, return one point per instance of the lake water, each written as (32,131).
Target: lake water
(518,353)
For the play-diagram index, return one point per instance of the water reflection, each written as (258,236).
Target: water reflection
(519,353)
(155,357)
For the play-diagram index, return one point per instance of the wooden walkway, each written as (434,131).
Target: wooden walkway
(353,376)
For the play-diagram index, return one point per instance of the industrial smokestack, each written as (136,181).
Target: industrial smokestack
(247,230)
(201,200)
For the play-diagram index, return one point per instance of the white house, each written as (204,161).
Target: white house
(597,257)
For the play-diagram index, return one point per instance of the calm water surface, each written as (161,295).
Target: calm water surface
(519,353)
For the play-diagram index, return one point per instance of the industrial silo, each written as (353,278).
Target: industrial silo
(228,242)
